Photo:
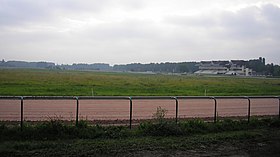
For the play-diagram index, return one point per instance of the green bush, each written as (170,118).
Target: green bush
(82,124)
(160,129)
(275,123)
(160,114)
(115,132)
(56,129)
(230,125)
(194,126)
(88,132)
(2,127)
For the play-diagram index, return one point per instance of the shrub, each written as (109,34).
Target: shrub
(160,114)
(82,124)
(160,129)
(275,123)
(194,126)
(115,132)
(2,127)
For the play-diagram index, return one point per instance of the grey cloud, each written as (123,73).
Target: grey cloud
(247,23)
(204,21)
(243,24)
(251,23)
(131,5)
(271,12)
(124,30)
(247,33)
(20,12)
(15,12)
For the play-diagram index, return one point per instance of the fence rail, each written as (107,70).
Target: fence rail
(131,98)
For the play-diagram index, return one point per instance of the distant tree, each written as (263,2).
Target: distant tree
(270,69)
(276,70)
(257,65)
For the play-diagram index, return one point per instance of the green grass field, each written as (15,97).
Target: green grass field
(81,83)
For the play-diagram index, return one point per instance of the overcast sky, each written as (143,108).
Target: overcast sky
(129,31)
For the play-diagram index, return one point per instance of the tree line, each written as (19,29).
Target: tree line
(258,66)
(183,67)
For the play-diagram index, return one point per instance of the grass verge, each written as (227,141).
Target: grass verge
(257,142)
(193,138)
(56,129)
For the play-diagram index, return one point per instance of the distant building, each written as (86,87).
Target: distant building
(233,67)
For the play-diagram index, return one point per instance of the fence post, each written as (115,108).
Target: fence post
(77,111)
(279,106)
(176,115)
(130,112)
(249,108)
(21,113)
(215,109)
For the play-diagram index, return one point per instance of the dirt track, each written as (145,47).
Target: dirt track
(39,110)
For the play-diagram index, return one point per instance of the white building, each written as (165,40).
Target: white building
(233,67)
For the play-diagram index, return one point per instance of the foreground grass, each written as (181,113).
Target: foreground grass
(258,142)
(47,82)
(260,137)
(156,146)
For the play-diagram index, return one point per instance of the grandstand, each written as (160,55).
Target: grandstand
(233,67)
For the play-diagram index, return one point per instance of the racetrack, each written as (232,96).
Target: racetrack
(41,110)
